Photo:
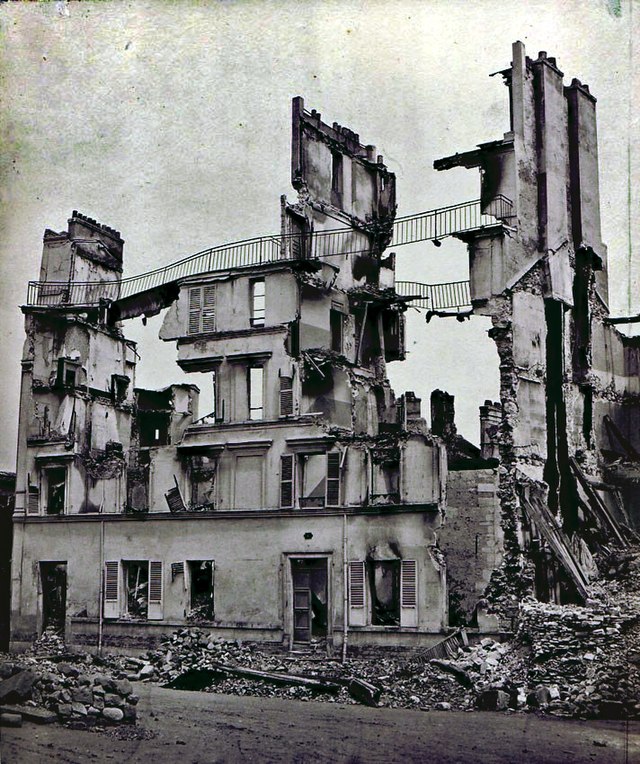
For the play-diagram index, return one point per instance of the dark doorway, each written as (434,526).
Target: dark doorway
(54,595)
(310,598)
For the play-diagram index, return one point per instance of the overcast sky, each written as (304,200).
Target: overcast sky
(170,121)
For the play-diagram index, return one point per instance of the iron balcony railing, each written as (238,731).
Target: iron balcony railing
(432,225)
(453,295)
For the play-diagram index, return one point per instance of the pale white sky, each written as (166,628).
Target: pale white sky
(170,121)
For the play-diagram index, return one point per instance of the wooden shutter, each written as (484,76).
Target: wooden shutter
(195,309)
(174,498)
(33,501)
(286,396)
(357,593)
(333,479)
(155,591)
(287,464)
(111,589)
(209,309)
(408,593)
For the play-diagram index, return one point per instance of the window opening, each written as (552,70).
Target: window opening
(255,384)
(201,589)
(336,326)
(258,297)
(384,582)
(56,480)
(53,577)
(336,178)
(136,579)
(286,396)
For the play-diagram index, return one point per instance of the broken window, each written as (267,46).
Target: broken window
(55,489)
(67,375)
(255,379)
(136,580)
(208,400)
(393,332)
(336,325)
(384,584)
(53,579)
(257,302)
(119,387)
(201,589)
(202,309)
(203,481)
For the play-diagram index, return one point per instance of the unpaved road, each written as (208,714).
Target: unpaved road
(199,728)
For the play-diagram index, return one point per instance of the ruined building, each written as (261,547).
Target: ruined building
(286,495)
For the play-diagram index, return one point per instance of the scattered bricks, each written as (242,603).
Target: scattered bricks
(68,670)
(492,700)
(147,672)
(82,695)
(113,714)
(443,706)
(10,720)
(111,699)
(122,687)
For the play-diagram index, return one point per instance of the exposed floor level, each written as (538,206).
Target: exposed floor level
(195,728)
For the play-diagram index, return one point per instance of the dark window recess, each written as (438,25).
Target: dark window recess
(287,465)
(136,579)
(336,179)
(119,387)
(336,322)
(258,299)
(153,428)
(53,577)
(293,339)
(67,375)
(393,329)
(333,479)
(56,479)
(286,396)
(201,589)
(384,584)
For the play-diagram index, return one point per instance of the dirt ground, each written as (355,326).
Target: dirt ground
(202,728)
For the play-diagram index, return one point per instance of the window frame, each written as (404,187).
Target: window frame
(258,302)
(251,388)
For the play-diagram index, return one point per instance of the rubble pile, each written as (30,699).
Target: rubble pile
(71,690)
(48,643)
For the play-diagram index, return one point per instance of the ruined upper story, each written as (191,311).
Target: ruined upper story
(547,165)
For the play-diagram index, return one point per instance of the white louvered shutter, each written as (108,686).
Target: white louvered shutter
(209,309)
(195,309)
(155,609)
(333,479)
(111,589)
(408,593)
(357,594)
(287,464)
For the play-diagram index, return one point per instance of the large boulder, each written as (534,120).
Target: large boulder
(17,688)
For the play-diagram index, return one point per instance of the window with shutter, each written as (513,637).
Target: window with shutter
(409,593)
(209,309)
(333,479)
(195,309)
(33,501)
(287,465)
(356,590)
(286,396)
(111,589)
(155,591)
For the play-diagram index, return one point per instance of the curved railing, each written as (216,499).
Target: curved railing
(453,295)
(432,225)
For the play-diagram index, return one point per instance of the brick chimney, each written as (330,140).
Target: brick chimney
(490,418)
(443,415)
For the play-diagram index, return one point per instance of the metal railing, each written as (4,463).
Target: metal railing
(453,295)
(432,225)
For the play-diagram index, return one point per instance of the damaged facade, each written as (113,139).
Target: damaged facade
(286,495)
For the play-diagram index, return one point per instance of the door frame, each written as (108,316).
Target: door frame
(288,591)
(40,611)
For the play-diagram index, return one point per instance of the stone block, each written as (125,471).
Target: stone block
(113,714)
(10,720)
(17,688)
